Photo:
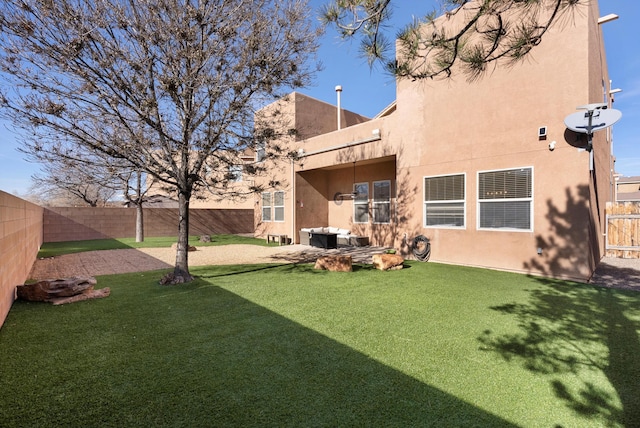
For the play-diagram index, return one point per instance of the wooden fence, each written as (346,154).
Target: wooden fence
(623,230)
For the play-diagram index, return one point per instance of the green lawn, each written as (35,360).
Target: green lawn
(51,249)
(284,345)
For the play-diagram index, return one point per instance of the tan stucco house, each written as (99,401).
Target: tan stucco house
(486,170)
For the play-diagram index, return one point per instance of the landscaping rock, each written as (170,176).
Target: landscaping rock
(174,246)
(205,238)
(387,261)
(87,295)
(334,263)
(60,291)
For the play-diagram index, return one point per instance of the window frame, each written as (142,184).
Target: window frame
(364,202)
(462,201)
(374,203)
(529,199)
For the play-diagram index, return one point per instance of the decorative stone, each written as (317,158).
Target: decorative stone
(387,261)
(61,291)
(334,263)
(205,238)
(87,295)
(174,246)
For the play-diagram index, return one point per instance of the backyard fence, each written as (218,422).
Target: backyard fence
(83,223)
(20,240)
(25,226)
(623,230)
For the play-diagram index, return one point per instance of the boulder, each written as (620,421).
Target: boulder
(334,263)
(60,291)
(387,261)
(174,246)
(204,238)
(87,295)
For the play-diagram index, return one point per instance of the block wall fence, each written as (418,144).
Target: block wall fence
(25,226)
(80,224)
(21,234)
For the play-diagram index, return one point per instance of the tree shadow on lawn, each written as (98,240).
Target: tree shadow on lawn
(162,362)
(586,331)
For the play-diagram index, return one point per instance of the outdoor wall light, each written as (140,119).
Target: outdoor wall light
(542,132)
(552,145)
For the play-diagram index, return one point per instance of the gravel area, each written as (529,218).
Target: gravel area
(107,262)
(618,273)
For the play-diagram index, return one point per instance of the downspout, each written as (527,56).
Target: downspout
(293,202)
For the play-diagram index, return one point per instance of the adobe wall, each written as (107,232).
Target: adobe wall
(20,240)
(456,126)
(79,223)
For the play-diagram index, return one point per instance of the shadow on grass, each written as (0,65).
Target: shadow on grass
(212,360)
(585,331)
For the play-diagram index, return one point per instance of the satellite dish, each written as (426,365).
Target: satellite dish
(594,117)
(586,122)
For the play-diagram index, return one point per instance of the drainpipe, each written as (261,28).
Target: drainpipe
(293,202)
(338,91)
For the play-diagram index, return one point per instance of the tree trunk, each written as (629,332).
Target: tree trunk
(139,223)
(139,212)
(181,270)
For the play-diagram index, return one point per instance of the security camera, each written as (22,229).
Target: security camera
(552,145)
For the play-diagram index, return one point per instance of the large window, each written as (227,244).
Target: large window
(278,206)
(382,201)
(505,199)
(266,206)
(361,203)
(444,203)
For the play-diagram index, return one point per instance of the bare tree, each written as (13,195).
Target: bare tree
(486,32)
(173,84)
(60,183)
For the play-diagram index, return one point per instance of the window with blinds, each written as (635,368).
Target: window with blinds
(505,199)
(444,203)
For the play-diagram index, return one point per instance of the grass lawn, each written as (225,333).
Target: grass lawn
(284,345)
(51,249)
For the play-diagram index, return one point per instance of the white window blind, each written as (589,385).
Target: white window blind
(444,201)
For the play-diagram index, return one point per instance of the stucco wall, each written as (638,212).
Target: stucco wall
(456,126)
(20,240)
(77,224)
